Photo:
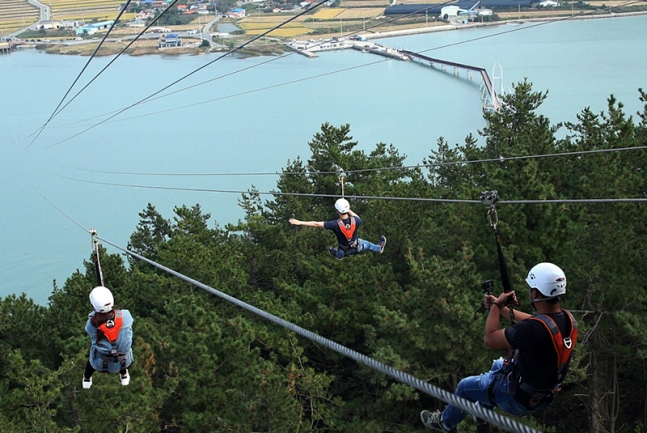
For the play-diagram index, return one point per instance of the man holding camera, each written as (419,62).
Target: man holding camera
(540,351)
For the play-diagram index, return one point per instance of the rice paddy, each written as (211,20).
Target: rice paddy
(327,14)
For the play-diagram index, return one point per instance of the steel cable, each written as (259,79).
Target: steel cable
(468,406)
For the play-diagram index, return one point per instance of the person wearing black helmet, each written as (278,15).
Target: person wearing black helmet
(111,332)
(540,351)
(346,228)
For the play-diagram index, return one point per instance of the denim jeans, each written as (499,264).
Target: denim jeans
(362,245)
(475,389)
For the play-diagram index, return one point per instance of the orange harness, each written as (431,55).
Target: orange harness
(347,229)
(563,346)
(112,327)
(564,349)
(110,330)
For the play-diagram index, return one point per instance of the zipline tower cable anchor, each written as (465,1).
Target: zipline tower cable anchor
(95,254)
(342,175)
(489,200)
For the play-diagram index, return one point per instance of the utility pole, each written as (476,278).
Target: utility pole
(426,18)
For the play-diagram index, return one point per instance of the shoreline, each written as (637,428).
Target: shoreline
(450,27)
(109,49)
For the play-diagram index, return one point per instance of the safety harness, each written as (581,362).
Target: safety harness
(110,330)
(348,230)
(564,349)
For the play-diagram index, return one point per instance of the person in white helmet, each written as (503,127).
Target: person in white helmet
(540,350)
(111,331)
(346,228)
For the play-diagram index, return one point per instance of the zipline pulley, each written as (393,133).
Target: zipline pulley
(342,175)
(95,256)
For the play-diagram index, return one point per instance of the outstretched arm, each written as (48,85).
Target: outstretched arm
(296,222)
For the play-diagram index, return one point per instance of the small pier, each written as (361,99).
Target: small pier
(7,46)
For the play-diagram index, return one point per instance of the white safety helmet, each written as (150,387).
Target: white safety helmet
(342,205)
(101,299)
(548,278)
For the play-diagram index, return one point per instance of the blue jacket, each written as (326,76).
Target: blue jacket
(103,347)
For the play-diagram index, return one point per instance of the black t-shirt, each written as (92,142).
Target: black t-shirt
(341,238)
(537,364)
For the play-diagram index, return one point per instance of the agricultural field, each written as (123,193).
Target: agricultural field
(327,14)
(16,14)
(87,10)
(290,30)
(369,3)
(360,13)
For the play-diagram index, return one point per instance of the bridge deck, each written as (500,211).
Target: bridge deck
(484,75)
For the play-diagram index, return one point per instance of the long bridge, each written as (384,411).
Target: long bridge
(311,47)
(430,61)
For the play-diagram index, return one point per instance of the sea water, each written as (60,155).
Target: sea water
(253,115)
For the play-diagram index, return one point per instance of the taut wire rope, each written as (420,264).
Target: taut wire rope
(54,113)
(150,99)
(239,47)
(367,170)
(558,19)
(472,408)
(363,197)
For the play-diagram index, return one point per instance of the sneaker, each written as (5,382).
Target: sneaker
(333,251)
(87,383)
(382,243)
(432,420)
(125,379)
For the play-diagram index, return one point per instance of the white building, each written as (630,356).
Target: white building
(449,11)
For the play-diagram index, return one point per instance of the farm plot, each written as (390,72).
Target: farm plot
(366,4)
(360,13)
(16,14)
(327,14)
(287,31)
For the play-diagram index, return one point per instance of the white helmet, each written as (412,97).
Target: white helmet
(548,278)
(342,205)
(101,299)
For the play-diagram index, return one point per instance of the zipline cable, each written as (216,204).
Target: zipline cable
(558,19)
(470,407)
(55,113)
(361,197)
(367,170)
(492,417)
(255,66)
(239,47)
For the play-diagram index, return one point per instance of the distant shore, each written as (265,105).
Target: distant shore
(112,47)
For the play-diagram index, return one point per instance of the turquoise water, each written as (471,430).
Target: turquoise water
(247,129)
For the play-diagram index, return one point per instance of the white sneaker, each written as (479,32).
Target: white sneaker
(87,383)
(125,380)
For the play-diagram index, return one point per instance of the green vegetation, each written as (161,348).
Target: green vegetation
(205,365)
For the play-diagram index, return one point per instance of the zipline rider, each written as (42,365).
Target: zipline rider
(346,228)
(540,351)
(111,332)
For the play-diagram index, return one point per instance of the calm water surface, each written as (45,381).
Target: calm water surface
(255,121)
